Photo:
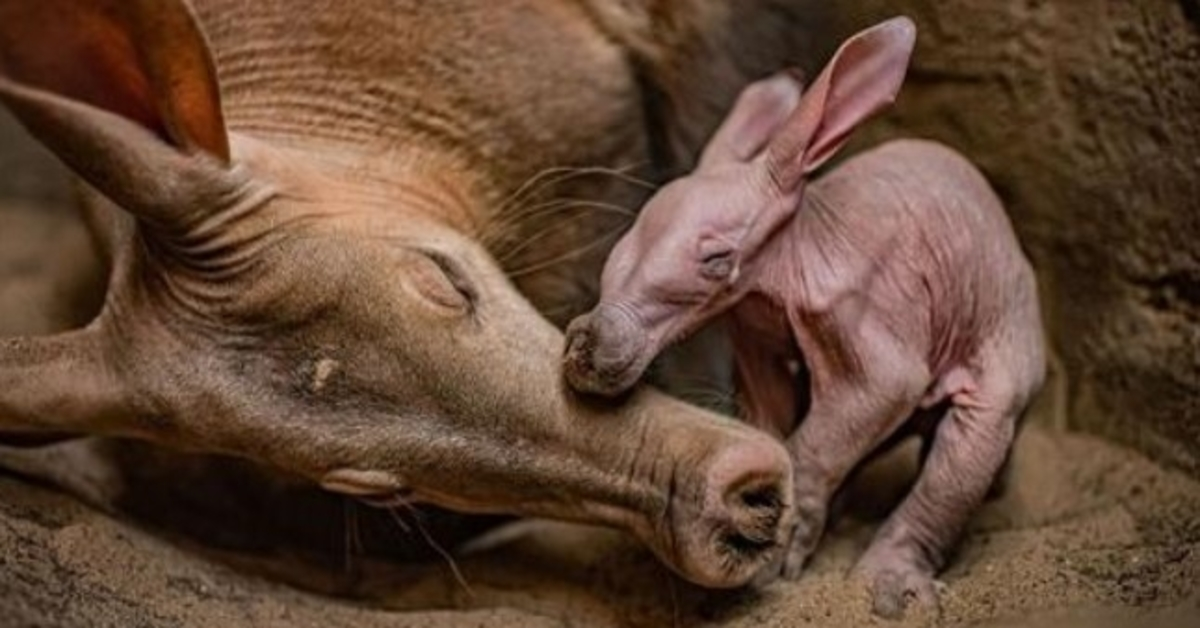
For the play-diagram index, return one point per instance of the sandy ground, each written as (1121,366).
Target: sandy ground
(1087,534)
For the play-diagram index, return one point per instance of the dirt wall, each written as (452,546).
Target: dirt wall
(1085,114)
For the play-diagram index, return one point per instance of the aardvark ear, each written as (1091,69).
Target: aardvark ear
(861,80)
(757,115)
(125,93)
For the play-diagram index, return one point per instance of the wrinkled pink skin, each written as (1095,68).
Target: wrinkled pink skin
(896,279)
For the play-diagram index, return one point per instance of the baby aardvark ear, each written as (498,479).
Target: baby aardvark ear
(861,80)
(125,93)
(760,110)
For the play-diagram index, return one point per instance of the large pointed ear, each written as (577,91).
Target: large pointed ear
(124,92)
(862,79)
(760,110)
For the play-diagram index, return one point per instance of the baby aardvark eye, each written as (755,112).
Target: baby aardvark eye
(717,266)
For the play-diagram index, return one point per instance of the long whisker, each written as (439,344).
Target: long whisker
(545,179)
(539,180)
(528,190)
(353,539)
(434,545)
(509,229)
(538,209)
(560,174)
(580,250)
(404,527)
(537,237)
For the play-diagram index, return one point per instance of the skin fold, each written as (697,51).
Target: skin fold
(895,280)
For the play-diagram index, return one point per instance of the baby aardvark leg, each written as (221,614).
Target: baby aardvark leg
(851,414)
(969,447)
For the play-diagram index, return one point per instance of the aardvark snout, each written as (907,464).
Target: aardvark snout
(745,518)
(605,352)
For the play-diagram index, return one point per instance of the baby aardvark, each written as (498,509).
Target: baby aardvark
(896,280)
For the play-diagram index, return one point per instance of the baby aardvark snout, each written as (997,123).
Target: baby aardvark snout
(605,351)
(745,515)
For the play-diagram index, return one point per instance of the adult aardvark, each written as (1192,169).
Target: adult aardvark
(294,197)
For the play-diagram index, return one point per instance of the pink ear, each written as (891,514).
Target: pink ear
(758,113)
(862,79)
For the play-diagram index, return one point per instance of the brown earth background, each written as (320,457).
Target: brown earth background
(1085,114)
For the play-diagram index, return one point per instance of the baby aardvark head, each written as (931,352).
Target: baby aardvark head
(695,249)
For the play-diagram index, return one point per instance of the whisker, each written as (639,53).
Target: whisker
(555,174)
(509,230)
(404,527)
(501,216)
(434,545)
(580,250)
(353,539)
(547,178)
(537,237)
(539,209)
(560,174)
(622,174)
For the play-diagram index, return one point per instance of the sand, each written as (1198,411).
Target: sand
(1087,534)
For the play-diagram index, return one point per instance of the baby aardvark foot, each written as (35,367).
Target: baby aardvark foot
(811,513)
(895,580)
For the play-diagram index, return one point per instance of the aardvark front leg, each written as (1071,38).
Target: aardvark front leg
(864,388)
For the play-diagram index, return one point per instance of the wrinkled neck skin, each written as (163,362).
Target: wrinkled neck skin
(797,252)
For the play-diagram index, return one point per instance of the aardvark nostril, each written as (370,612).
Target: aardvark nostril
(580,341)
(601,356)
(750,497)
(577,358)
(755,514)
(765,497)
